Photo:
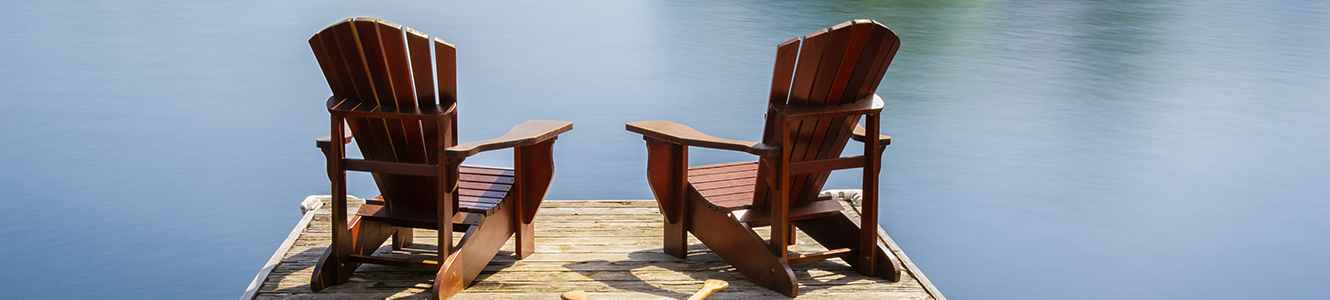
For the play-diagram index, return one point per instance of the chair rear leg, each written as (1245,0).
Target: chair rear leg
(366,237)
(404,236)
(841,231)
(329,271)
(735,242)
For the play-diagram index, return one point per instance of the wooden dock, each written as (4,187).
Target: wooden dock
(610,249)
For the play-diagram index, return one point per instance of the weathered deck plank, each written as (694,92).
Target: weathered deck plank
(610,249)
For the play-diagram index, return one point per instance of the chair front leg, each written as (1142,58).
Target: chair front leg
(333,267)
(447,203)
(868,210)
(667,174)
(533,173)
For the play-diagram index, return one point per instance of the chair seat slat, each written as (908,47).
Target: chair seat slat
(721,168)
(469,169)
(486,186)
(740,181)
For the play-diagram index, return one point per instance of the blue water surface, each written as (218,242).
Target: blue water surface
(1041,149)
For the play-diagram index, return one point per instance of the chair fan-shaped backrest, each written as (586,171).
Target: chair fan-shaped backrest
(824,68)
(376,64)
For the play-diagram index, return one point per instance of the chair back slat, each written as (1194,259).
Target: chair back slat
(372,56)
(810,55)
(849,62)
(319,43)
(810,134)
(330,60)
(380,71)
(890,44)
(834,67)
(362,87)
(355,85)
(786,54)
(422,72)
(397,64)
(824,72)
(445,60)
(801,85)
(861,82)
(375,89)
(376,63)
(410,146)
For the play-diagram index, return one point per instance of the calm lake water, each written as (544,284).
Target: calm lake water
(1041,149)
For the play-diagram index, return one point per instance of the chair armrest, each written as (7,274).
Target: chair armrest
(859,134)
(525,134)
(687,136)
(326,142)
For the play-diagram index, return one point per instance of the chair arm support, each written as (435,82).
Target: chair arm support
(326,141)
(859,135)
(687,136)
(525,134)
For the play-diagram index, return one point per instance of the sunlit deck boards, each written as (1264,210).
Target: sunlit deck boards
(610,249)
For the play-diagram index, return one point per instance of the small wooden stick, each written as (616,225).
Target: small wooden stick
(573,295)
(711,286)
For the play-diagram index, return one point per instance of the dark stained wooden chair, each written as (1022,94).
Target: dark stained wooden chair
(823,84)
(384,88)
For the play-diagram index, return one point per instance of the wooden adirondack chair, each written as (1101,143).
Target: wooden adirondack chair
(384,90)
(818,95)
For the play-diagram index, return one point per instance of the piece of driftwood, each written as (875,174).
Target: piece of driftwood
(822,85)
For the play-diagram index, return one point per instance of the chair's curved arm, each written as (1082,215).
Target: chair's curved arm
(687,136)
(525,134)
(860,133)
(326,141)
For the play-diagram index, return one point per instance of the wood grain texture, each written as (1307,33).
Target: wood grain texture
(818,95)
(403,117)
(786,53)
(820,120)
(524,134)
(861,106)
(610,249)
(684,135)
